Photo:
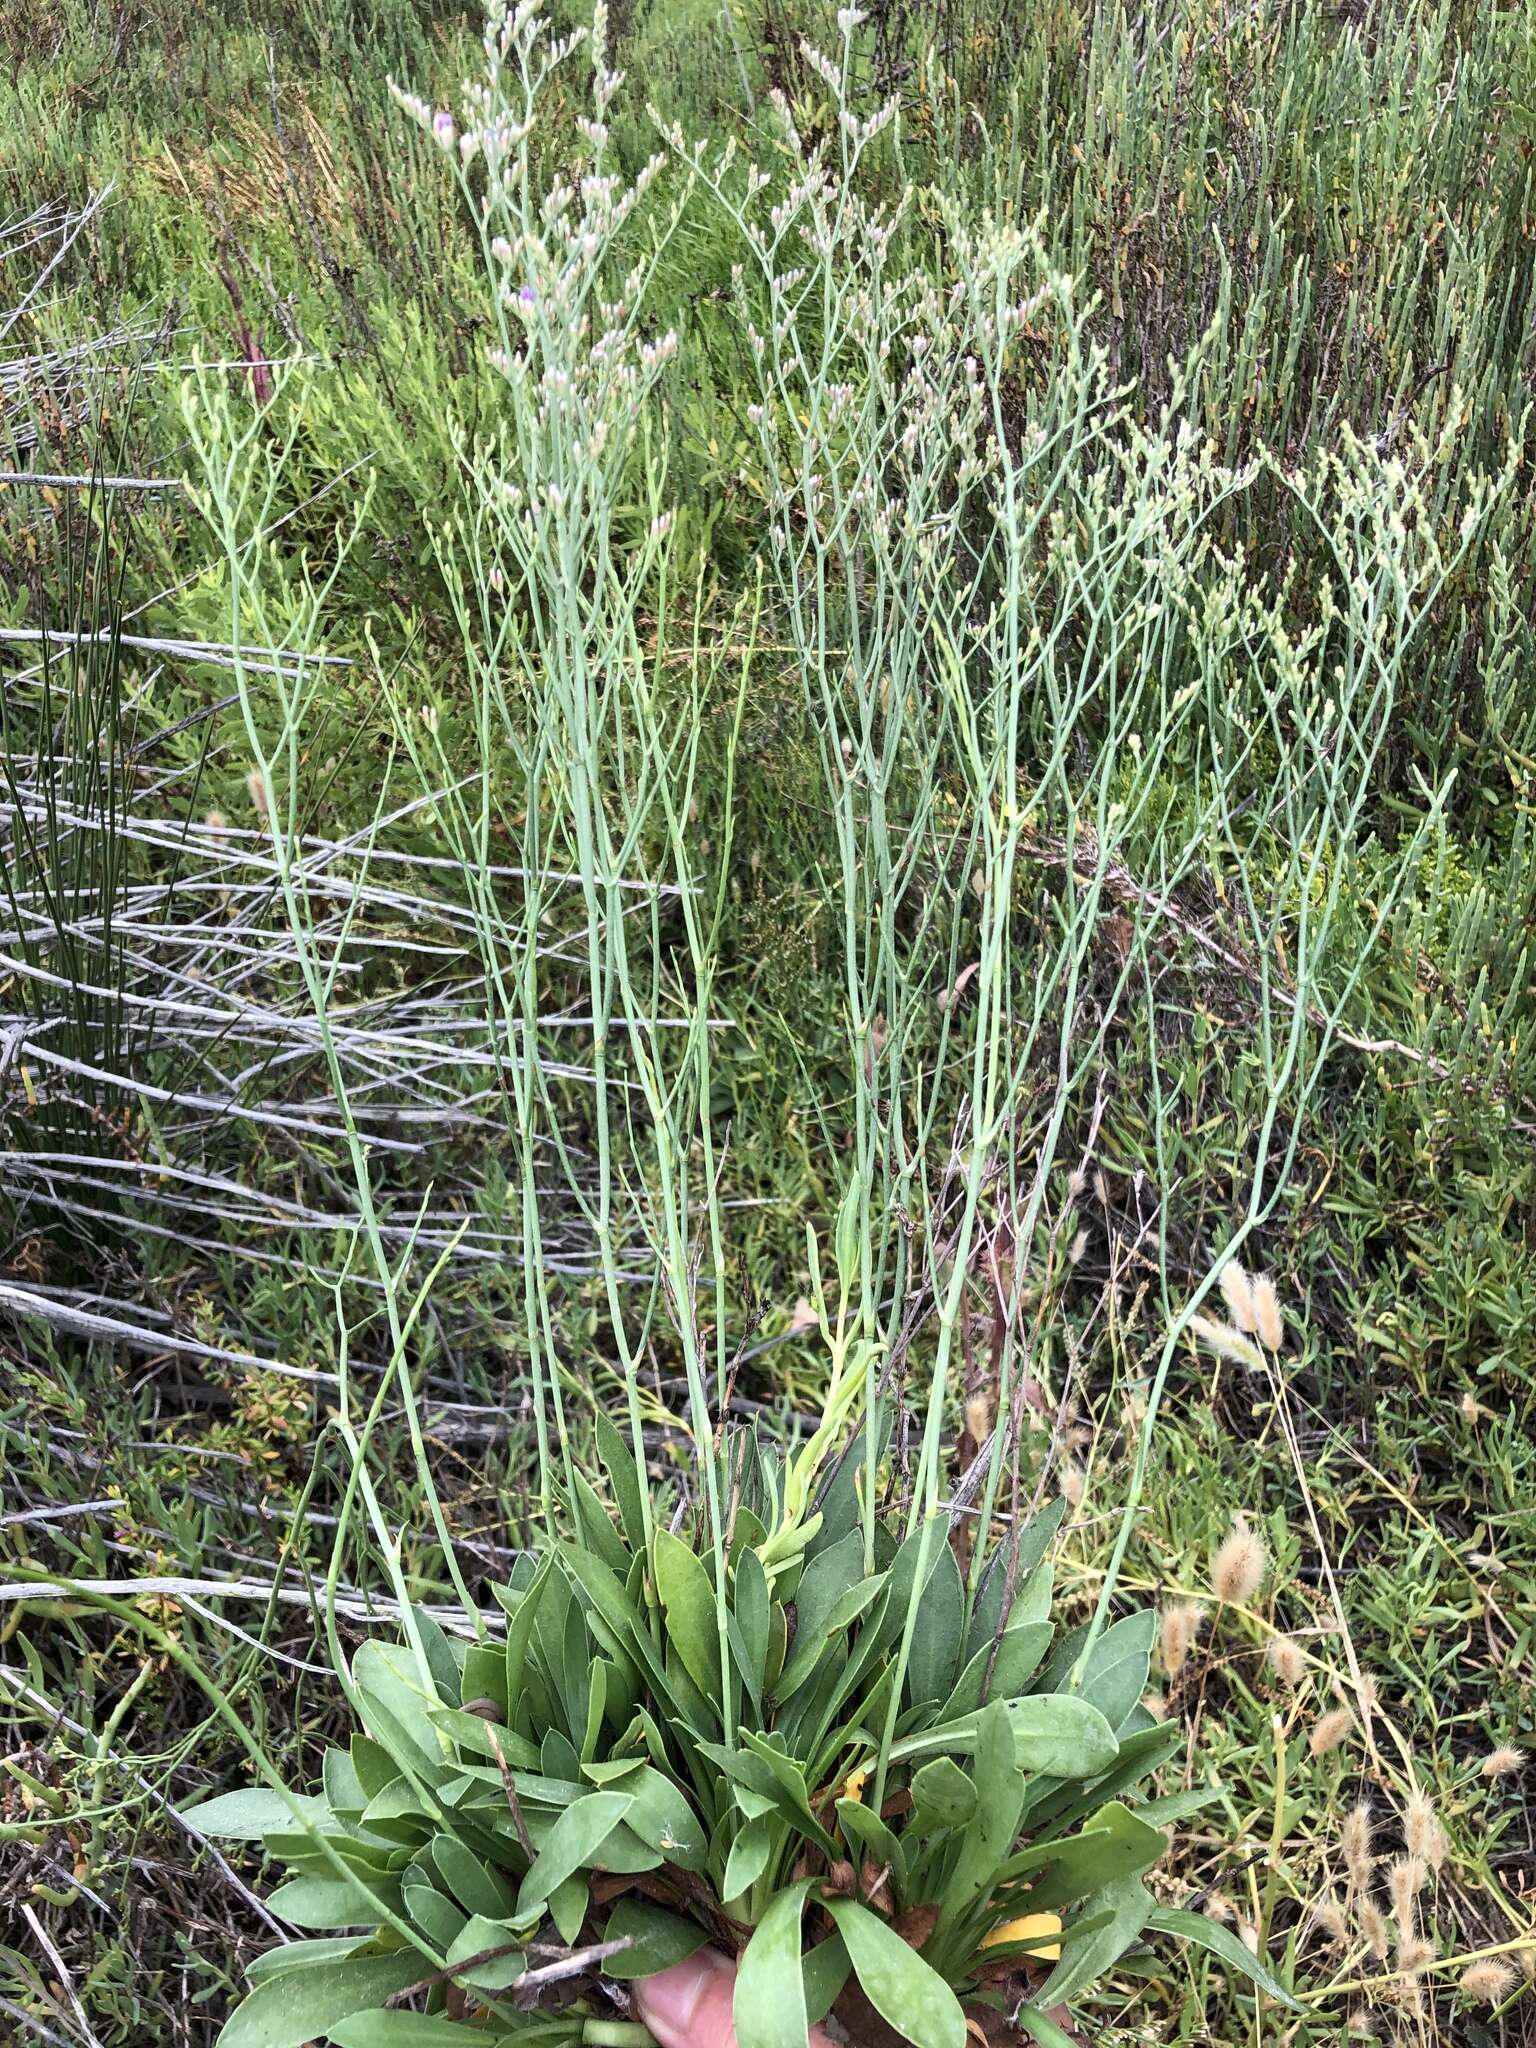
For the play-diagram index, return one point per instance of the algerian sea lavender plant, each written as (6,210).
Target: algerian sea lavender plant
(796,1703)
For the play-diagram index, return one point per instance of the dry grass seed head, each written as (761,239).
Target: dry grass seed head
(1238,1568)
(1421,1829)
(1407,1994)
(1180,1626)
(1405,1880)
(1237,1293)
(1287,1661)
(1502,1762)
(1374,1930)
(1416,1954)
(1330,1731)
(1487,1982)
(1355,1839)
(1331,1918)
(1268,1322)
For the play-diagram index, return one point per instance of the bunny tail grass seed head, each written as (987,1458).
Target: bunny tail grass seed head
(1422,1829)
(1331,1918)
(1268,1322)
(1374,1930)
(1330,1731)
(1416,1955)
(1237,1293)
(1227,1342)
(1420,1826)
(1287,1661)
(1238,1568)
(1405,1880)
(1487,1982)
(1180,1626)
(1502,1762)
(1355,1840)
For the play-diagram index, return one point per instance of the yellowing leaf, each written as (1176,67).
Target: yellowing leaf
(1035,1928)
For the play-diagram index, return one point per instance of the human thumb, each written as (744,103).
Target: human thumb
(690,2005)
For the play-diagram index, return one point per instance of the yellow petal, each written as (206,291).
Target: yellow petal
(853,1785)
(1031,1927)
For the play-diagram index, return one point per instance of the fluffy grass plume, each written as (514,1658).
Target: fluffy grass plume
(1238,1568)
(1330,1731)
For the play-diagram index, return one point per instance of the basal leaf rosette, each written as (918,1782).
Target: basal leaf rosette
(524,1823)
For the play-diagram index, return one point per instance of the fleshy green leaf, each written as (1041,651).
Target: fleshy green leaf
(770,1982)
(617,1453)
(827,1578)
(439,1919)
(1000,1799)
(572,1844)
(592,1518)
(660,1938)
(410,2030)
(1118,1912)
(1042,2028)
(936,1644)
(620,1614)
(568,1907)
(397,1708)
(868,1834)
(485,1675)
(907,1992)
(942,1796)
(838,1505)
(751,1604)
(1115,1675)
(1064,1805)
(343,1787)
(1033,1541)
(477,1887)
(297,1955)
(1224,1945)
(826,1970)
(248,1815)
(522,1614)
(1015,1664)
(687,1595)
(290,2009)
(1056,1735)
(439,1653)
(782,1777)
(374,1765)
(332,1902)
(477,1937)
(662,1817)
(1115,1844)
(748,1858)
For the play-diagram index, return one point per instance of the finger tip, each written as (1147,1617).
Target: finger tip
(689,2005)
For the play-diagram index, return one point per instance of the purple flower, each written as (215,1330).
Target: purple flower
(442,127)
(527,296)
